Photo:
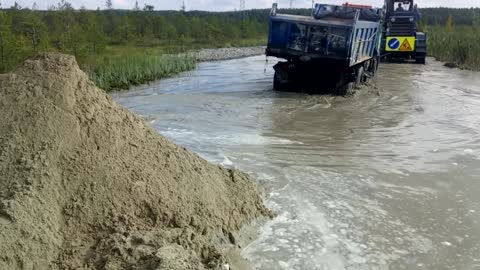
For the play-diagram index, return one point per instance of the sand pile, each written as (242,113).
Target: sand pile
(85,184)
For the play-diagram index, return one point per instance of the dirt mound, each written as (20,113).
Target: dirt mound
(85,184)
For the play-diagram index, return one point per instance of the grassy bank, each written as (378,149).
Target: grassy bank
(123,71)
(459,46)
(119,67)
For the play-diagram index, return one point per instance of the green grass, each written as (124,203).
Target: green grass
(119,67)
(460,46)
(122,71)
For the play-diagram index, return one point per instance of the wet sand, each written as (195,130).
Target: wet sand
(219,54)
(386,179)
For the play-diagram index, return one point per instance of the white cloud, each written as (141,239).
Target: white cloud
(121,3)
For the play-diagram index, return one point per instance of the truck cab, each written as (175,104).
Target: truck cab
(402,36)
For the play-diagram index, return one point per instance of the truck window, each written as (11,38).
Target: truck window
(401,6)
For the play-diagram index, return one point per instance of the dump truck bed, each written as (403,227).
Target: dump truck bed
(345,41)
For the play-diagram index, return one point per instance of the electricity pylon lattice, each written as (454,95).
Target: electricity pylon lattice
(242,5)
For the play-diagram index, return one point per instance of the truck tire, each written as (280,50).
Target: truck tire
(345,89)
(277,81)
(421,60)
(343,86)
(374,66)
(360,76)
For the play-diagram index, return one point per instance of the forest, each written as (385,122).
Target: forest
(101,39)
(25,31)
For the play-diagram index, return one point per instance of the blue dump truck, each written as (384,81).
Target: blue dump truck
(402,37)
(336,49)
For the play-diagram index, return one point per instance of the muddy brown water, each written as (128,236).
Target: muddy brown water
(387,179)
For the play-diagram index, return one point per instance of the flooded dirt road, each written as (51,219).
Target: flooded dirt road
(387,179)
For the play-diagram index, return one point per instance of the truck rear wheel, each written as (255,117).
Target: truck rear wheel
(343,86)
(420,60)
(360,76)
(277,81)
(374,66)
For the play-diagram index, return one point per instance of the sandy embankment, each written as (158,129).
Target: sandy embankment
(84,183)
(206,55)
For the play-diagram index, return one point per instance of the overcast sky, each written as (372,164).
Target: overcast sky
(219,5)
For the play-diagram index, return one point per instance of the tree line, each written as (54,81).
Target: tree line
(460,16)
(81,32)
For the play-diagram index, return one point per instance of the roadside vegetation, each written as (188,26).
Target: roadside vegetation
(119,48)
(458,48)
(453,36)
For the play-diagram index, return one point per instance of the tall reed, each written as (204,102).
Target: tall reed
(460,47)
(121,72)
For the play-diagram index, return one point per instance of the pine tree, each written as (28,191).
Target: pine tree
(95,37)
(65,5)
(8,42)
(136,7)
(109,4)
(475,18)
(34,6)
(148,8)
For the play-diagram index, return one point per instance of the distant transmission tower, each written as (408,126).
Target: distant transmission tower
(291,4)
(242,5)
(184,7)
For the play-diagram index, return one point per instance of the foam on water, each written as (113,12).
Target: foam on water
(238,139)
(326,232)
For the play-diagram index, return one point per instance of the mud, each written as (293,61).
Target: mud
(85,184)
